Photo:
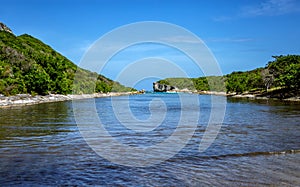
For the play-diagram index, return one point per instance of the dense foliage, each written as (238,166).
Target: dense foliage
(27,65)
(285,71)
(282,73)
(180,83)
(210,83)
(240,82)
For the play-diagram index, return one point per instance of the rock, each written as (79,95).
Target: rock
(157,87)
(23,96)
(3,27)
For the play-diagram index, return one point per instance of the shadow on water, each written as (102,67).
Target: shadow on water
(35,120)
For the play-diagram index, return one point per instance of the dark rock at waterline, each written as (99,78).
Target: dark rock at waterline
(157,87)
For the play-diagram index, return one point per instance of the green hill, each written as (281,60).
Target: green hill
(27,65)
(282,75)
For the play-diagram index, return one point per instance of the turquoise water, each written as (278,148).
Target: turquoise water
(258,145)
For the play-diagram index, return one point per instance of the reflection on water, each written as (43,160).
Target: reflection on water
(258,145)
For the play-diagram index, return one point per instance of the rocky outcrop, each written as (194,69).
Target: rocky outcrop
(3,27)
(157,87)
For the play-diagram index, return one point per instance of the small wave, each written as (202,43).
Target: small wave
(259,153)
(233,155)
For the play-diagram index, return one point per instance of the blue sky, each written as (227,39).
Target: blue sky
(242,34)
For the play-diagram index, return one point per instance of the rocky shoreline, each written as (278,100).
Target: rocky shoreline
(27,99)
(247,95)
(250,96)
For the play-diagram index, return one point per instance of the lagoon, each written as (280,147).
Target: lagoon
(258,145)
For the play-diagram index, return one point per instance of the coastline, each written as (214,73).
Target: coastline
(27,99)
(250,96)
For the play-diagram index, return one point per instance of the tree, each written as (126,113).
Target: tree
(268,78)
(286,71)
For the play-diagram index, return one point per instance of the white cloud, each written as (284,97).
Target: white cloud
(231,40)
(222,18)
(181,39)
(270,8)
(264,8)
(84,46)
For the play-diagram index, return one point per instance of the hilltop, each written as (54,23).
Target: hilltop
(280,78)
(27,65)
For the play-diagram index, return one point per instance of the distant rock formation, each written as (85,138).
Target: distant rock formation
(3,27)
(157,87)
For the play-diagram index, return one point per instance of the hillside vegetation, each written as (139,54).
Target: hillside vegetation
(210,83)
(27,65)
(283,73)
